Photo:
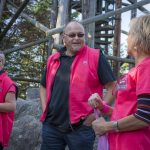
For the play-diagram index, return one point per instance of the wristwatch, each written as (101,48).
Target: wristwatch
(115,126)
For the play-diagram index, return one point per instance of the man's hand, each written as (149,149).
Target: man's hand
(95,101)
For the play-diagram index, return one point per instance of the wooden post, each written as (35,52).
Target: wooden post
(53,20)
(13,19)
(62,18)
(2,4)
(89,10)
(117,34)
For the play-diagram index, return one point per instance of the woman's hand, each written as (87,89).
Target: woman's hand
(99,126)
(95,101)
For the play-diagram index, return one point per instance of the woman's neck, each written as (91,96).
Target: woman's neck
(140,58)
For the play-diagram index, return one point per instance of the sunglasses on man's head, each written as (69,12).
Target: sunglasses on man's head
(73,35)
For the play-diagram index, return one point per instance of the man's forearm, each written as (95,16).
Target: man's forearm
(109,97)
(43,97)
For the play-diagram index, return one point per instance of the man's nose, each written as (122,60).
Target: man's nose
(76,36)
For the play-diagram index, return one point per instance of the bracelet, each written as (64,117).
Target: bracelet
(115,126)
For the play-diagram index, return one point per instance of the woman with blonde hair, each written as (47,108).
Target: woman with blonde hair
(129,128)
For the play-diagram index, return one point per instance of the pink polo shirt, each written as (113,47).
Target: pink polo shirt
(136,82)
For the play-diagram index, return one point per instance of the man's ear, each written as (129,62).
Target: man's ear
(63,39)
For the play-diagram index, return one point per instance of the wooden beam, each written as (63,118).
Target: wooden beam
(16,15)
(103,16)
(2,4)
(86,21)
(104,28)
(25,46)
(60,46)
(112,13)
(97,35)
(31,20)
(124,60)
(18,48)
(101,42)
(25,79)
(140,7)
(89,20)
(116,41)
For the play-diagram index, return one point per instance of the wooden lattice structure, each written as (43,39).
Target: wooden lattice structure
(103,23)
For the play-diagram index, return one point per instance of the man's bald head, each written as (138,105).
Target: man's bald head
(73,23)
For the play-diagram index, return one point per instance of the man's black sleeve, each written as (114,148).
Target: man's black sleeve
(43,80)
(104,70)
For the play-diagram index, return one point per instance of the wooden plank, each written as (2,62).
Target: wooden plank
(100,42)
(16,15)
(104,35)
(104,28)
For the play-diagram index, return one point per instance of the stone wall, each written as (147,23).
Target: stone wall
(26,133)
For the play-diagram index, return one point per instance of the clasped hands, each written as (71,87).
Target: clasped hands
(99,125)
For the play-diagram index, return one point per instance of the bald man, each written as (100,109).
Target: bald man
(71,76)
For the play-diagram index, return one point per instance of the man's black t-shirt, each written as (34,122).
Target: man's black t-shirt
(58,111)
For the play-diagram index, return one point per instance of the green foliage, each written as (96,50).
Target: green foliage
(75,15)
(26,64)
(124,68)
(40,6)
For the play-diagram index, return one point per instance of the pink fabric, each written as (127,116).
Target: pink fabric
(6,119)
(105,108)
(136,82)
(83,82)
(12,89)
(102,140)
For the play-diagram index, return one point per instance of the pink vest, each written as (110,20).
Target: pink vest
(6,119)
(84,81)
(136,82)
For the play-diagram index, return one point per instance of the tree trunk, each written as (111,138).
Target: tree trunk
(2,4)
(53,19)
(133,15)
(54,14)
(89,10)
(116,44)
(62,18)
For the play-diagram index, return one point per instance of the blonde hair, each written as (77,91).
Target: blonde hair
(2,57)
(140,31)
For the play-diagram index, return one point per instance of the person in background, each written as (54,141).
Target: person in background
(71,76)
(129,128)
(8,95)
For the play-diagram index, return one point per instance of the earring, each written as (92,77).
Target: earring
(135,47)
